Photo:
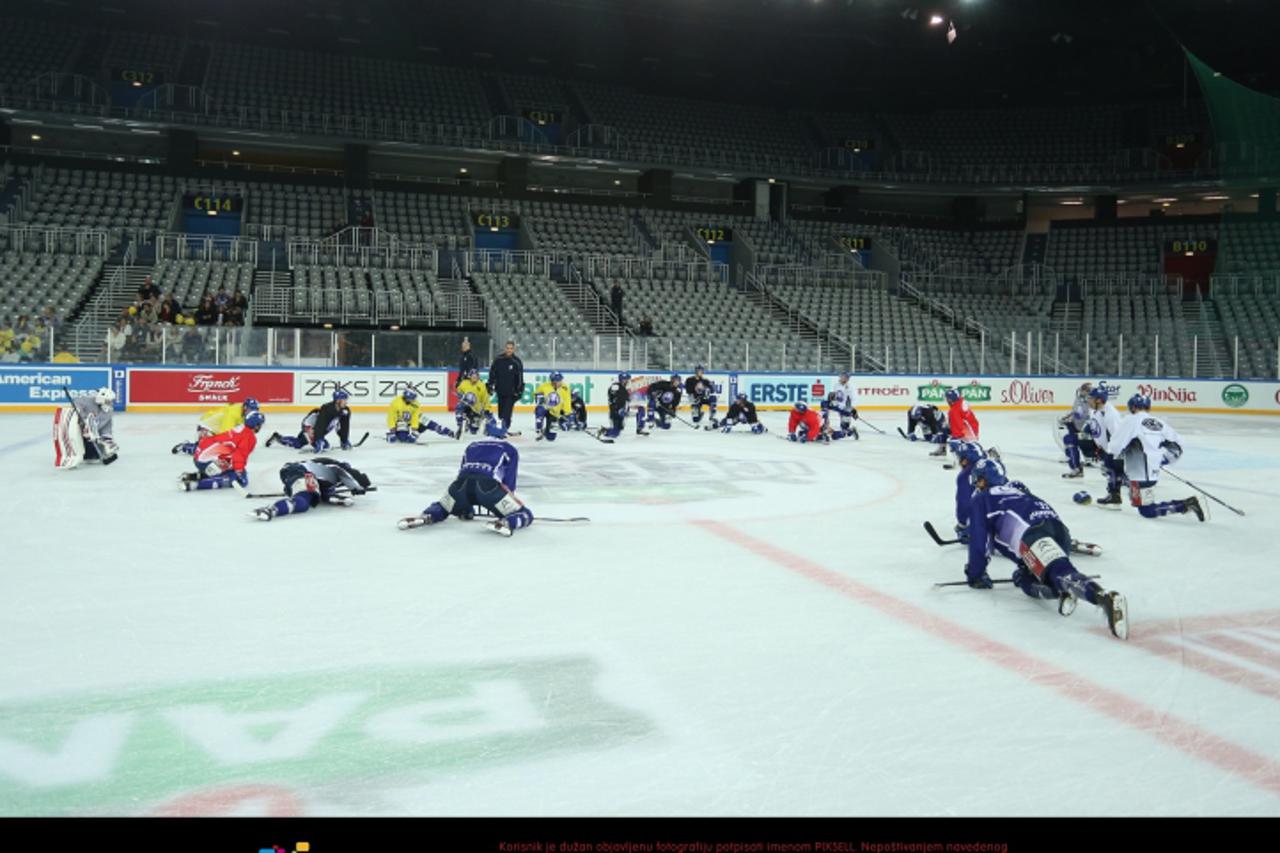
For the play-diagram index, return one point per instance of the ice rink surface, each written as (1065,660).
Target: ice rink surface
(745,627)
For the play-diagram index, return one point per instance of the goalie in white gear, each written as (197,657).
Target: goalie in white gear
(82,430)
(843,400)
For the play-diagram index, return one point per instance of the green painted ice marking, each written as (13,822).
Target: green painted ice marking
(111,753)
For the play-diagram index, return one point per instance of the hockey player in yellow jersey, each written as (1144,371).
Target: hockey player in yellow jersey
(406,421)
(554,405)
(217,421)
(472,411)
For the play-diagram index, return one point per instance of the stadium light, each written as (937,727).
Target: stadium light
(35,137)
(462,171)
(235,153)
(935,20)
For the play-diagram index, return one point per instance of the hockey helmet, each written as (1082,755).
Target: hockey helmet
(340,394)
(1099,393)
(250,404)
(1139,403)
(254,420)
(952,395)
(408,395)
(556,376)
(105,398)
(801,406)
(990,471)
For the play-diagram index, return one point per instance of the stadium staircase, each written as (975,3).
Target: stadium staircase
(1213,350)
(115,290)
(586,299)
(1034,248)
(496,96)
(639,225)
(836,352)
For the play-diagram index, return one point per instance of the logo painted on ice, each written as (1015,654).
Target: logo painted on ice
(1235,395)
(96,753)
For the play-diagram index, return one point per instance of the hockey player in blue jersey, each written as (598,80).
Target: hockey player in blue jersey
(968,454)
(619,397)
(702,394)
(1007,519)
(315,481)
(742,412)
(486,478)
(664,399)
(1144,444)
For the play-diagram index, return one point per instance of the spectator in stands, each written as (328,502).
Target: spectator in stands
(149,313)
(646,327)
(50,319)
(207,314)
(6,341)
(148,290)
(234,316)
(117,339)
(467,361)
(192,345)
(240,303)
(615,299)
(222,299)
(169,309)
(22,326)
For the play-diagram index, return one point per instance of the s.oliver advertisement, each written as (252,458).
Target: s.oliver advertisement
(159,386)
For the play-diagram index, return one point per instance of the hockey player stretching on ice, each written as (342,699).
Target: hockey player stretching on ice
(486,478)
(217,420)
(404,418)
(553,406)
(961,420)
(804,425)
(843,400)
(317,425)
(933,426)
(1076,443)
(702,394)
(1007,519)
(743,411)
(664,399)
(619,405)
(82,430)
(1104,422)
(578,417)
(220,459)
(315,481)
(1144,444)
(969,454)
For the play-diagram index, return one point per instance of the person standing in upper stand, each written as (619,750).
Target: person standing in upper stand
(506,382)
(467,361)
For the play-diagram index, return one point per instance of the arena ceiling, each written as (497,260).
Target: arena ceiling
(833,54)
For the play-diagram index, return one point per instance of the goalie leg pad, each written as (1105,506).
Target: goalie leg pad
(68,438)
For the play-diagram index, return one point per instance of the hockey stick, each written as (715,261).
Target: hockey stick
(1001,580)
(97,444)
(873,426)
(938,539)
(596,435)
(1203,492)
(411,522)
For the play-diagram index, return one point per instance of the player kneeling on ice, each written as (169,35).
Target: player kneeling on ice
(664,399)
(473,414)
(217,420)
(82,430)
(933,426)
(619,397)
(553,406)
(315,481)
(1103,423)
(220,459)
(578,416)
(1007,519)
(404,418)
(961,420)
(968,455)
(1076,443)
(1144,444)
(486,478)
(843,400)
(804,426)
(317,425)
(743,411)
(702,394)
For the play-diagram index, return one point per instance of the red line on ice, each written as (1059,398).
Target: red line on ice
(1181,735)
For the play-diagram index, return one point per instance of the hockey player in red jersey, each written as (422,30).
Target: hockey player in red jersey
(220,459)
(961,419)
(805,425)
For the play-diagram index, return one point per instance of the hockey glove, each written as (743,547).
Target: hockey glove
(321,445)
(1093,429)
(913,437)
(240,477)
(346,445)
(980,580)
(962,531)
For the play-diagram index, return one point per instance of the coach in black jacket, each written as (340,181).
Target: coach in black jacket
(506,382)
(467,361)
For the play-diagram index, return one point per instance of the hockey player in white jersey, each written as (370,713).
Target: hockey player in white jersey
(82,430)
(843,401)
(1076,443)
(1144,444)
(1103,423)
